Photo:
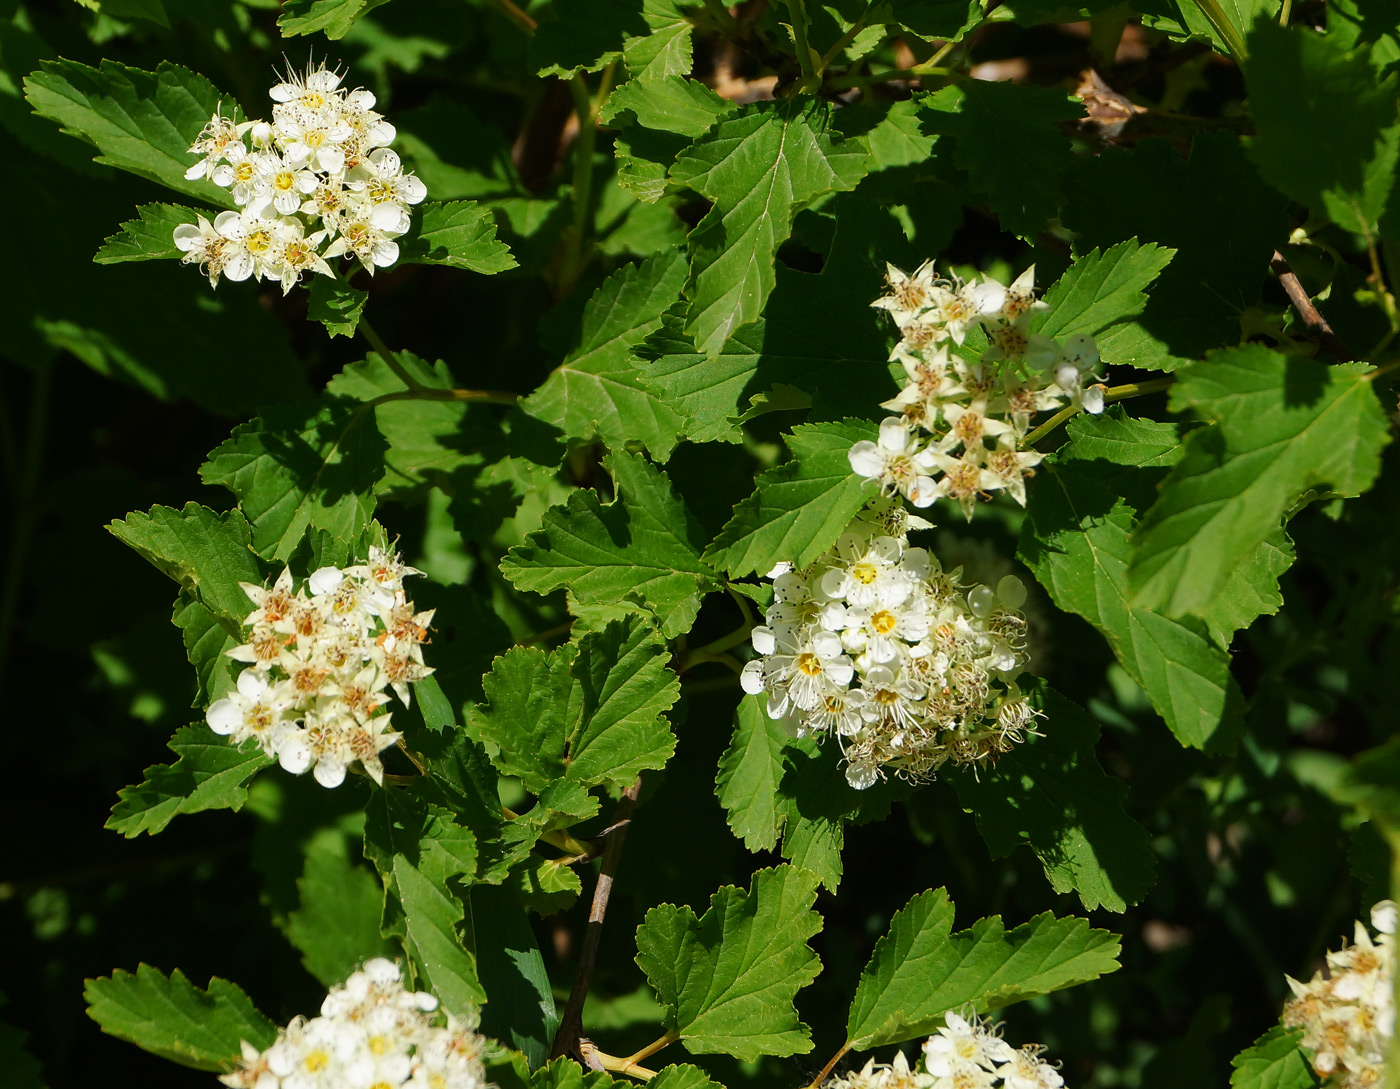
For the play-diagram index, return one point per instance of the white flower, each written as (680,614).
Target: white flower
(254,709)
(370,237)
(381,178)
(897,462)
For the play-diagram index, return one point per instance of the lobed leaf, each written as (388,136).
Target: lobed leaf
(1282,426)
(758,168)
(210,774)
(597,391)
(149,237)
(460,233)
(301,466)
(1077,541)
(799,508)
(169,1016)
(208,554)
(728,978)
(643,548)
(333,17)
(920,969)
(141,122)
(1274,1061)
(336,922)
(336,305)
(1100,289)
(1050,793)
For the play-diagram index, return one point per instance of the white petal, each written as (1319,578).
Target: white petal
(751,678)
(325,580)
(294,754)
(866,460)
(385,253)
(329,774)
(411,189)
(223,716)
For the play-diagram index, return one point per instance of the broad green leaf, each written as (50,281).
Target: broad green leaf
(945,19)
(426,441)
(1274,1061)
(670,104)
(800,507)
(1050,794)
(987,120)
(460,233)
(565,1073)
(210,774)
(1100,289)
(592,712)
(336,305)
(643,547)
(652,37)
(728,979)
(336,921)
(1325,127)
(299,466)
(920,969)
(596,391)
(169,1016)
(149,237)
(1189,20)
(208,554)
(644,156)
(141,122)
(818,334)
(1076,540)
(521,1011)
(758,168)
(683,1076)
(334,17)
(207,640)
(1212,207)
(1251,589)
(419,850)
(1282,426)
(750,772)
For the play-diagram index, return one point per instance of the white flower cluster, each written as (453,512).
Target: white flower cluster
(966,1053)
(976,415)
(1348,1016)
(321,659)
(320,174)
(877,644)
(373,1033)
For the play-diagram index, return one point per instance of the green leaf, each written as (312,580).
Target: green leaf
(653,38)
(592,712)
(565,1073)
(920,970)
(670,104)
(1325,127)
(207,640)
(1371,782)
(147,238)
(596,391)
(986,120)
(334,17)
(419,849)
(759,168)
(336,922)
(1050,794)
(336,305)
(141,122)
(210,774)
(460,233)
(750,772)
(1100,289)
(728,979)
(208,554)
(1251,589)
(683,1076)
(299,466)
(946,19)
(1282,426)
(1076,539)
(22,1070)
(800,507)
(643,547)
(1274,1061)
(169,1016)
(1212,207)
(521,1011)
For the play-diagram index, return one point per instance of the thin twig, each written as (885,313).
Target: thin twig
(601,1060)
(830,1066)
(387,354)
(1113,393)
(524,21)
(571,1024)
(1312,318)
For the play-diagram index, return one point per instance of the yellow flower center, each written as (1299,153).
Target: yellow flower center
(884,622)
(809,663)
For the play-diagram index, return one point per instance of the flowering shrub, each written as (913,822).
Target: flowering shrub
(739,479)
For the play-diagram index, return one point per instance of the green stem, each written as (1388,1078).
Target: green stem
(843,41)
(1215,16)
(810,80)
(1113,393)
(587,106)
(517,16)
(387,354)
(1285,12)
